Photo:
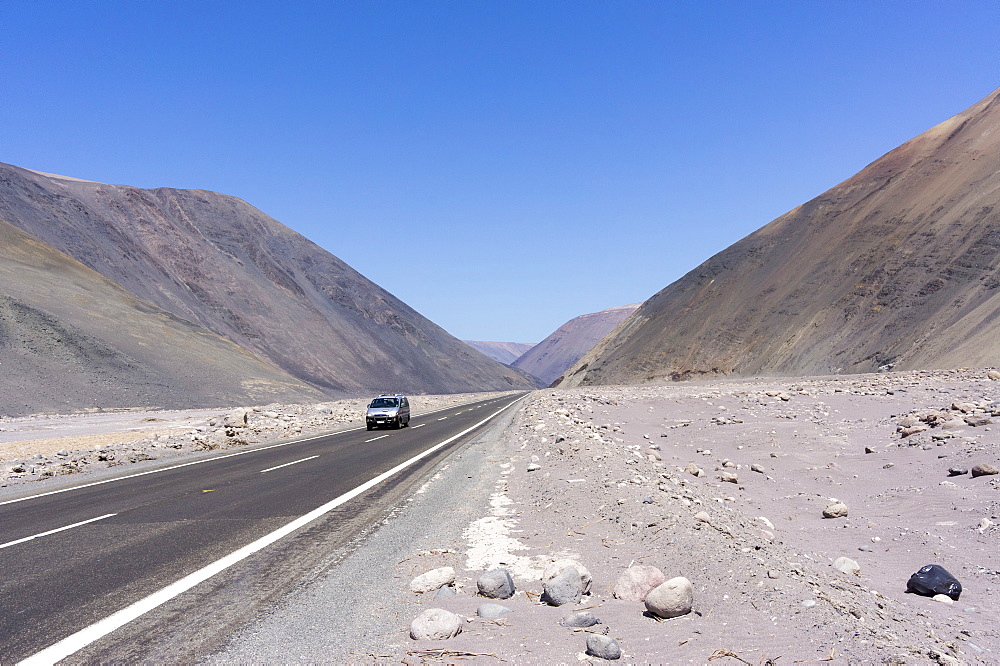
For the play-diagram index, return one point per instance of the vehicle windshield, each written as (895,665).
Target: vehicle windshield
(383,402)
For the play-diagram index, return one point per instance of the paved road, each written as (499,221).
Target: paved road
(108,548)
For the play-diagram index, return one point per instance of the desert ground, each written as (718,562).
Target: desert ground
(722,483)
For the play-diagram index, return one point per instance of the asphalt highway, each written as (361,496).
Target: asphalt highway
(161,565)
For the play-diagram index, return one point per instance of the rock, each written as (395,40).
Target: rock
(835,510)
(637,581)
(729,477)
(62,453)
(435,624)
(993,374)
(554,569)
(703,517)
(534,467)
(496,584)
(492,611)
(604,647)
(953,424)
(957,471)
(694,470)
(984,525)
(445,591)
(432,580)
(943,598)
(581,619)
(673,598)
(984,469)
(566,588)
(758,468)
(847,565)
(869,449)
(913,430)
(236,418)
(978,421)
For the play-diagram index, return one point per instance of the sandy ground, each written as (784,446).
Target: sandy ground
(611,491)
(603,475)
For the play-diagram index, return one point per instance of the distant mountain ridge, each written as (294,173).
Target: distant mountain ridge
(220,264)
(504,352)
(555,354)
(897,267)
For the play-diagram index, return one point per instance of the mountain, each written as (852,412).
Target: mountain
(220,264)
(897,267)
(504,352)
(72,339)
(552,356)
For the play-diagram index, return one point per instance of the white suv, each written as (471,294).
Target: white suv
(388,409)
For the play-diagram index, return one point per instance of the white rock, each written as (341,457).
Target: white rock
(835,510)
(435,624)
(432,580)
(637,581)
(847,565)
(943,598)
(673,598)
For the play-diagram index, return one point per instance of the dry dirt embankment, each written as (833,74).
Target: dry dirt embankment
(726,484)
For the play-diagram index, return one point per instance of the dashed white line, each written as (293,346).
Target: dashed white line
(420,426)
(58,529)
(295,462)
(443,418)
(372,440)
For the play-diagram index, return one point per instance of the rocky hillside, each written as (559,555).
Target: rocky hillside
(72,339)
(897,267)
(552,356)
(220,264)
(504,352)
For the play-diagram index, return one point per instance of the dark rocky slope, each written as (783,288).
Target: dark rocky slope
(221,264)
(897,267)
(71,339)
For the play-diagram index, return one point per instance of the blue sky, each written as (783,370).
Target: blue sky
(500,166)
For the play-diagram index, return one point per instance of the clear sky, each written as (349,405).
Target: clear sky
(501,166)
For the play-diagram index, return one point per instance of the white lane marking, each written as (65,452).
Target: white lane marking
(443,418)
(194,462)
(420,426)
(271,469)
(58,529)
(86,636)
(372,440)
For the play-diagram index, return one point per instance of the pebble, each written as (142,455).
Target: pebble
(672,598)
(758,468)
(943,598)
(957,471)
(808,603)
(604,647)
(729,477)
(435,624)
(534,467)
(496,584)
(445,591)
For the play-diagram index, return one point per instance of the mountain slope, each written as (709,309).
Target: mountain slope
(217,262)
(898,266)
(71,339)
(504,352)
(552,356)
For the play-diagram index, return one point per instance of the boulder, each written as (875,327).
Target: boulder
(555,568)
(565,588)
(492,611)
(637,581)
(496,584)
(672,598)
(432,580)
(581,619)
(603,647)
(236,418)
(435,624)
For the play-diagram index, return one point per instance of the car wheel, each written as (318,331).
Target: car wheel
(369,426)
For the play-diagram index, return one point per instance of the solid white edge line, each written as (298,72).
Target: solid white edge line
(296,462)
(194,462)
(86,636)
(58,529)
